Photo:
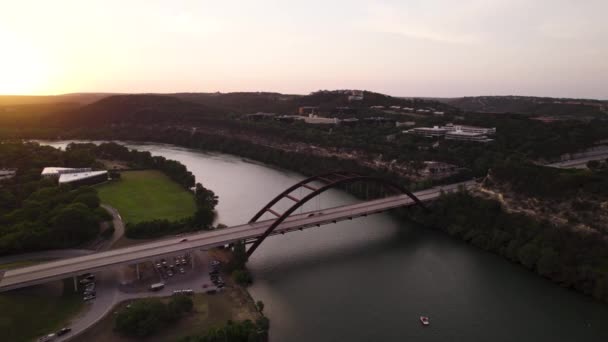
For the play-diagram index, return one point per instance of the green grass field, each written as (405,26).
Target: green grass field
(30,313)
(147,195)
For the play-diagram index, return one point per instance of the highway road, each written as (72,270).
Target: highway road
(580,163)
(65,268)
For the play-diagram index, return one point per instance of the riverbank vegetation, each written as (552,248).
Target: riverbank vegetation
(209,312)
(36,213)
(573,259)
(246,331)
(153,205)
(524,178)
(146,317)
(574,197)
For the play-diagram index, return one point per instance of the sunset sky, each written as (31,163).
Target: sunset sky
(402,47)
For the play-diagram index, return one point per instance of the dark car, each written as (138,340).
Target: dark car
(63,331)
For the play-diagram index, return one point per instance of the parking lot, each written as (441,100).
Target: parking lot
(174,266)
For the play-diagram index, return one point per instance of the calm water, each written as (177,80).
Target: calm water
(370,279)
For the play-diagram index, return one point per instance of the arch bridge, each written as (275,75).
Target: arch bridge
(254,232)
(328,181)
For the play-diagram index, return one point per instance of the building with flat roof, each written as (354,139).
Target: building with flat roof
(437,168)
(305,110)
(455,132)
(58,171)
(434,131)
(470,129)
(83,178)
(310,119)
(467,136)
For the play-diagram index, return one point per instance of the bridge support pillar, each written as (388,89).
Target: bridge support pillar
(192,257)
(137,271)
(75,284)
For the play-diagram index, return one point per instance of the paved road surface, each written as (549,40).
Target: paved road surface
(580,163)
(61,269)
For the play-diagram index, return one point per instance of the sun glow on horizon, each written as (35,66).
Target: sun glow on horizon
(402,48)
(23,69)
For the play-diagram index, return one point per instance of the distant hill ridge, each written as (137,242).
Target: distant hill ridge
(529,105)
(191,108)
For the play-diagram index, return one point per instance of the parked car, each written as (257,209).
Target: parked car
(181,270)
(89,297)
(215,263)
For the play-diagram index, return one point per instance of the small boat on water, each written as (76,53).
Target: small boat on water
(424,320)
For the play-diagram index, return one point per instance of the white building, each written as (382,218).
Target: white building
(82,178)
(467,136)
(57,171)
(455,132)
(313,119)
(435,131)
(471,129)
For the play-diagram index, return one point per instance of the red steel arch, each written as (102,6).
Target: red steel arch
(332,180)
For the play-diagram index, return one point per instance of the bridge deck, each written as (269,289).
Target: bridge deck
(69,267)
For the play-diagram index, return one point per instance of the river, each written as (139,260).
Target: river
(371,278)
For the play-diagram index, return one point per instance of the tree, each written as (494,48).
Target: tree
(75,223)
(179,305)
(239,256)
(89,199)
(8,201)
(548,263)
(142,319)
(593,164)
(242,277)
(206,200)
(260,305)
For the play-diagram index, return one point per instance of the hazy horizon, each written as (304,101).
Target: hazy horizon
(415,48)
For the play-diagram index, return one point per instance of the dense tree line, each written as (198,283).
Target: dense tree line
(136,159)
(573,259)
(204,198)
(245,331)
(36,213)
(541,181)
(145,317)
